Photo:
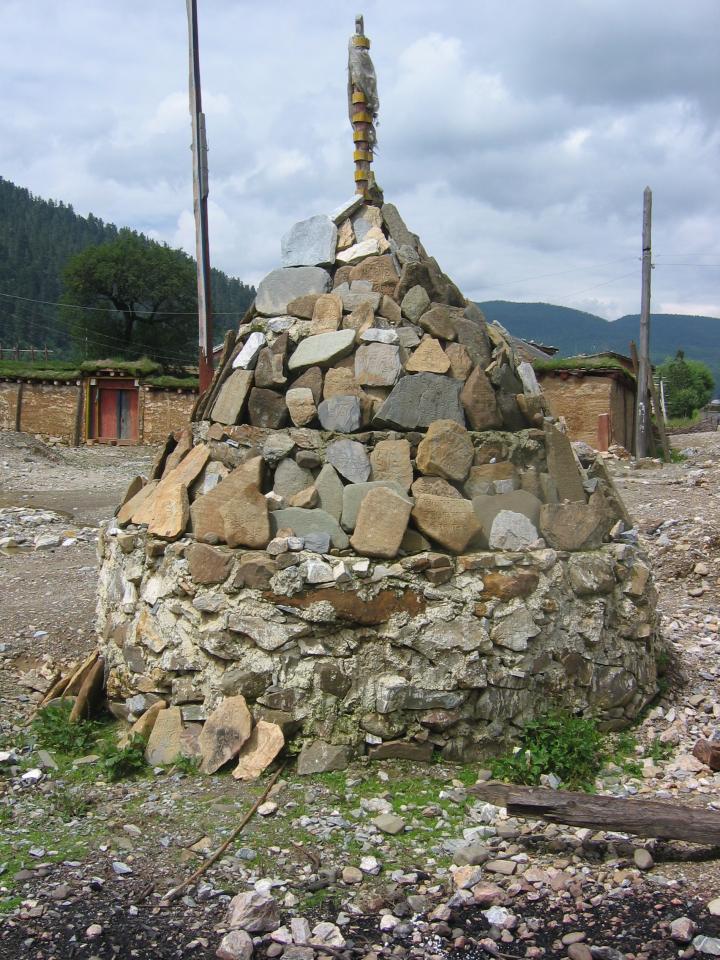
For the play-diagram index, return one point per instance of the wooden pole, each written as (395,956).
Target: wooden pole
(644,818)
(200,195)
(362,123)
(642,419)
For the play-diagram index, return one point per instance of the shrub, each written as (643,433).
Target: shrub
(570,747)
(54,731)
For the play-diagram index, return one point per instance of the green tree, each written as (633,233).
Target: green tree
(688,385)
(142,298)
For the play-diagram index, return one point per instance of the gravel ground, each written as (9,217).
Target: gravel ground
(84,862)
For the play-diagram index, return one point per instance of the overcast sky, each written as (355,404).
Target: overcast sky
(515,137)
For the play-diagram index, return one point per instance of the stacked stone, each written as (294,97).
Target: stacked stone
(360,333)
(372,529)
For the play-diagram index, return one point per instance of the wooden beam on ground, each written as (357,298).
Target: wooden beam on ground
(643,818)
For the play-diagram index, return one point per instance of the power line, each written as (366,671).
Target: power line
(109,343)
(80,306)
(559,273)
(604,283)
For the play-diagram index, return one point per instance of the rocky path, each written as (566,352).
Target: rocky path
(379,860)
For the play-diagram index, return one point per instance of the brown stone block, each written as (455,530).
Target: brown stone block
(349,606)
(505,586)
(208,564)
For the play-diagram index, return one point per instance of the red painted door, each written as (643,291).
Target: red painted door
(108,417)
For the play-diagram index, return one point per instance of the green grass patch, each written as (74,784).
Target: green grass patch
(40,370)
(144,367)
(174,383)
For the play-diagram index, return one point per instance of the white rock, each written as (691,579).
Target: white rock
(370,865)
(359,251)
(377,335)
(317,571)
(247,358)
(328,934)
(388,922)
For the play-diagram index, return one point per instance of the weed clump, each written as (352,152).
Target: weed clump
(572,748)
(54,731)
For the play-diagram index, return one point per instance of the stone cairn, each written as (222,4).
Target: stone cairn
(372,531)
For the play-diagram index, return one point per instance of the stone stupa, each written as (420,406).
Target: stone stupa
(373,530)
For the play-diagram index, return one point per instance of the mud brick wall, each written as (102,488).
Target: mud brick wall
(164,411)
(9,393)
(581,400)
(49,409)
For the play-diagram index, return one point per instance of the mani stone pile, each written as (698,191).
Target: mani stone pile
(372,530)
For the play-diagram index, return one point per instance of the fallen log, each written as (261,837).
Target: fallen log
(644,818)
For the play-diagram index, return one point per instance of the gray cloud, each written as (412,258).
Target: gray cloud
(516,138)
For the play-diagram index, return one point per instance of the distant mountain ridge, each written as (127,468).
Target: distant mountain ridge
(574,331)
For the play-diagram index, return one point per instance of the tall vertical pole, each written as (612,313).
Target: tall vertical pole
(200,195)
(642,412)
(362,118)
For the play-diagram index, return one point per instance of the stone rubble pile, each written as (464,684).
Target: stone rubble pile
(26,528)
(371,527)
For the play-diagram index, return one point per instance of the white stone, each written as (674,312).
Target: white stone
(358,252)
(345,209)
(317,571)
(280,324)
(247,358)
(511,531)
(370,865)
(378,335)
(529,381)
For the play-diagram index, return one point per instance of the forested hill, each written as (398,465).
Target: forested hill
(37,237)
(573,331)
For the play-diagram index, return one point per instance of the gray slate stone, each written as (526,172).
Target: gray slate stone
(356,293)
(396,227)
(562,465)
(291,479)
(329,487)
(281,286)
(231,399)
(473,336)
(322,350)
(320,757)
(316,542)
(310,243)
(355,493)
(276,448)
(415,302)
(341,414)
(350,459)
(416,401)
(377,365)
(303,522)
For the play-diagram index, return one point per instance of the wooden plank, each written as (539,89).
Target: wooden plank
(643,818)
(659,419)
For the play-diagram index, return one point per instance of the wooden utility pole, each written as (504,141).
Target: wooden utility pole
(200,195)
(642,410)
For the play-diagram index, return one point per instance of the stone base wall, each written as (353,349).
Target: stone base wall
(397,659)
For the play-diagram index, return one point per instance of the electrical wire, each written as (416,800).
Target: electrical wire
(559,273)
(104,341)
(80,306)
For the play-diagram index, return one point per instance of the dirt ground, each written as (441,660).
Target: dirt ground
(70,881)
